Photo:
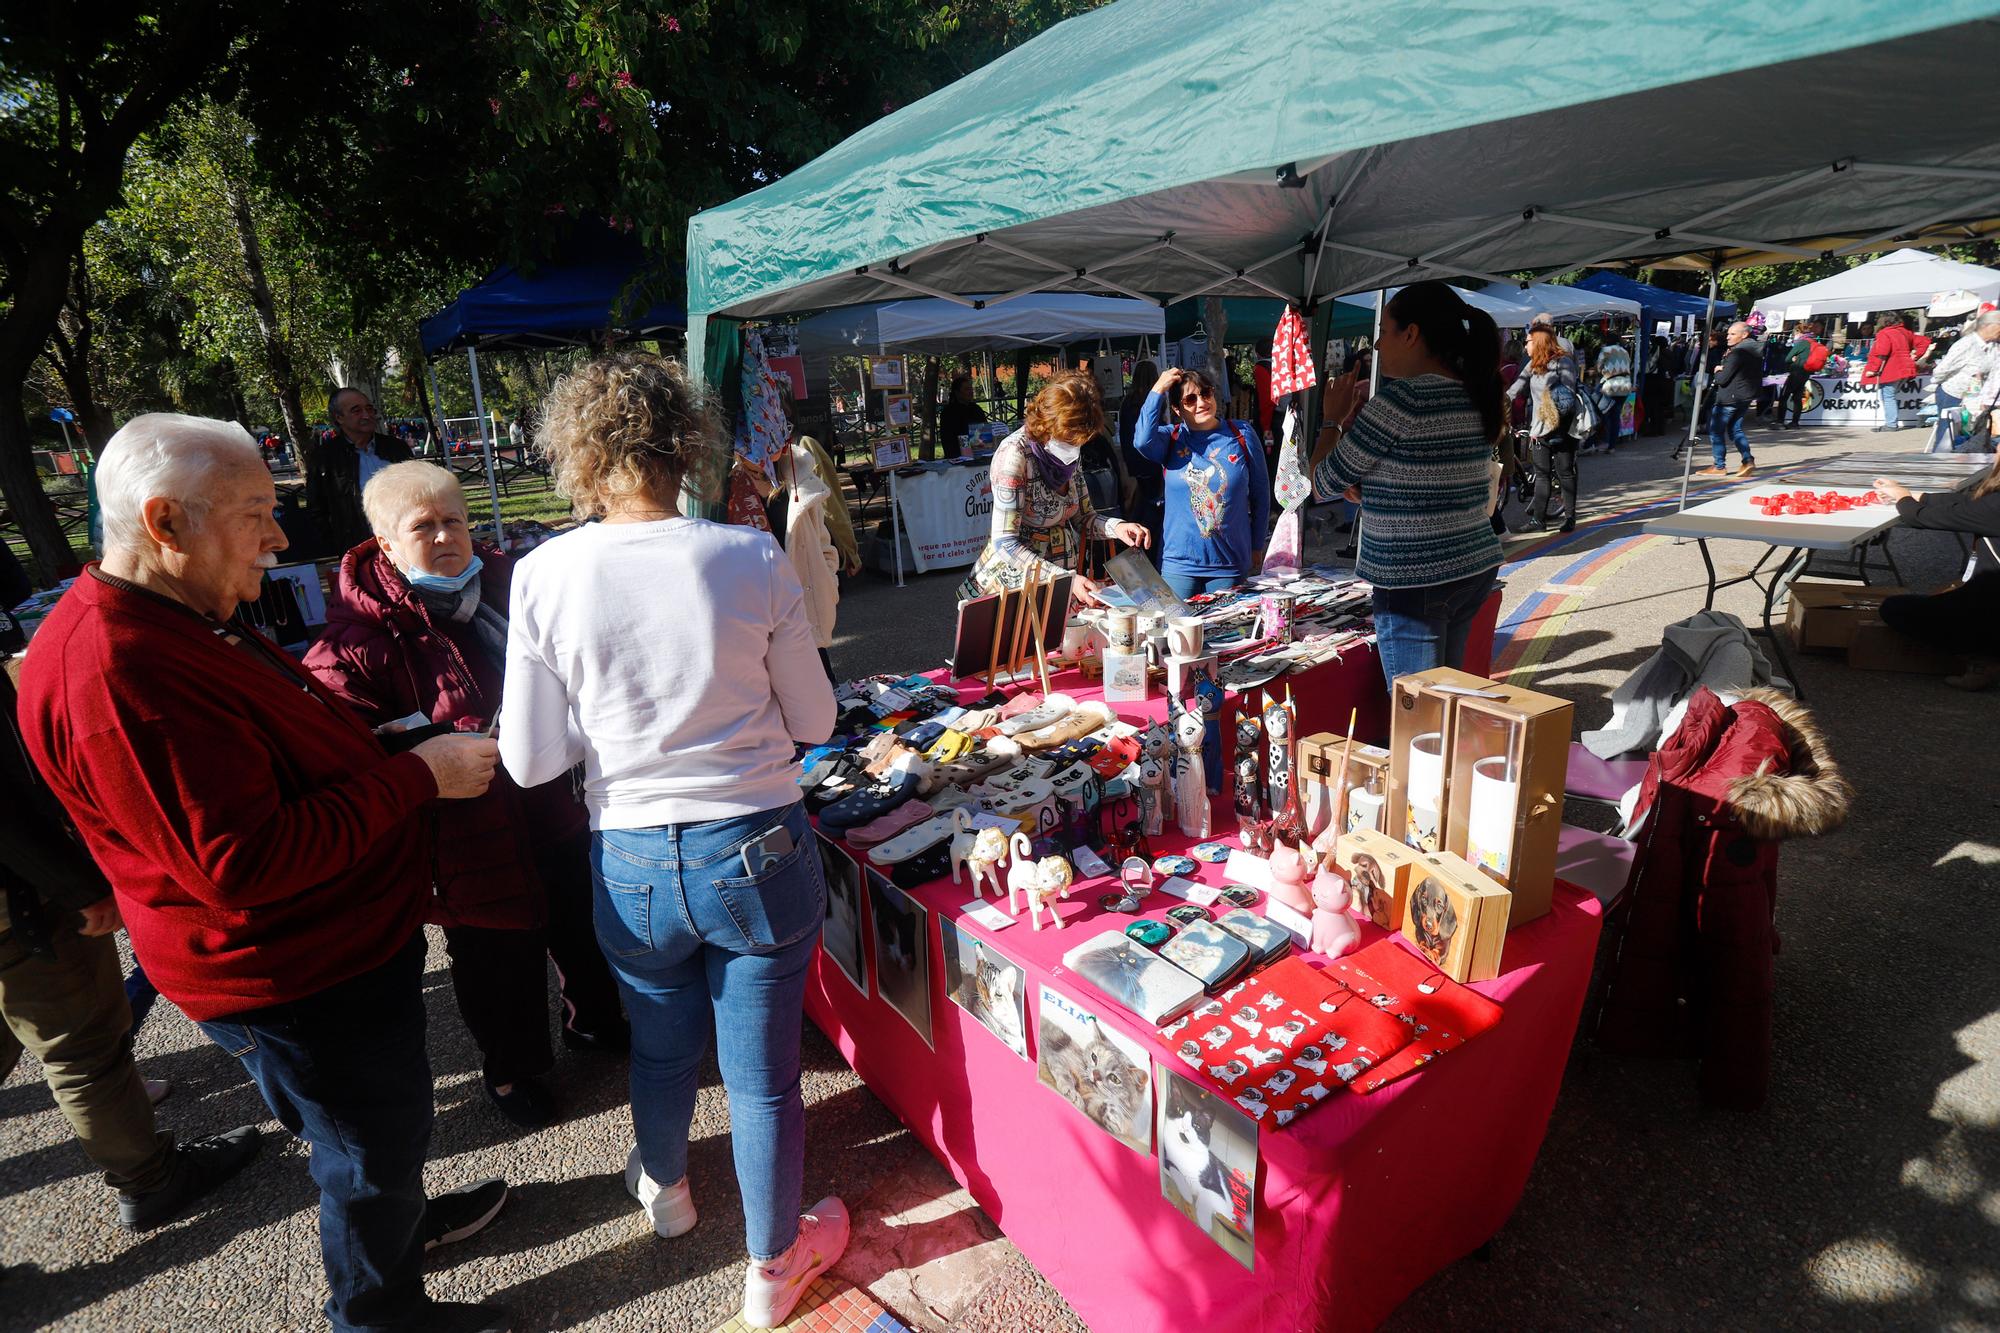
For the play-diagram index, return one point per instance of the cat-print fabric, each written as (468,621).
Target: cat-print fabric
(1441,1015)
(1280,1042)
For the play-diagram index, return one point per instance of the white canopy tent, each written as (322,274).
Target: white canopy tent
(932,327)
(1900,280)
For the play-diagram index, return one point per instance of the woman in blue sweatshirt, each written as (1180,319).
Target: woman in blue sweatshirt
(1216,506)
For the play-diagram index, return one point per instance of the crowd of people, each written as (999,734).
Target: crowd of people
(548,772)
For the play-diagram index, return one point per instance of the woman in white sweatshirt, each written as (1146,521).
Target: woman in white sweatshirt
(673,659)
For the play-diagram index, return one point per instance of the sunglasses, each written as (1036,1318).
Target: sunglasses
(1194,394)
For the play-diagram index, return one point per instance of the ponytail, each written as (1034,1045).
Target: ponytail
(1462,336)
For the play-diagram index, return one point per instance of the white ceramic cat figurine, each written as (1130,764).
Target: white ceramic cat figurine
(1023,875)
(989,849)
(963,839)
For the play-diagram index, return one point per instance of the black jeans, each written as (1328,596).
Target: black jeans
(1794,393)
(1964,620)
(1555,463)
(346,1071)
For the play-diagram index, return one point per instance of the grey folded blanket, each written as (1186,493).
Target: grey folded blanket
(1711,648)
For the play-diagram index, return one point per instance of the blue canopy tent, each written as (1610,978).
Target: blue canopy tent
(577,299)
(1654,302)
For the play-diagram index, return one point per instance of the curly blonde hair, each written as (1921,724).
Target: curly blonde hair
(627,425)
(1068,411)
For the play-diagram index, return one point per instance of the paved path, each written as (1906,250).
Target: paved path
(1867,1195)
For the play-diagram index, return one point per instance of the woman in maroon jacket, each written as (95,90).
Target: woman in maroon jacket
(418,625)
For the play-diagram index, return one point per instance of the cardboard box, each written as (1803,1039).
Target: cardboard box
(1877,647)
(1508,765)
(1457,918)
(1378,870)
(1322,796)
(1823,615)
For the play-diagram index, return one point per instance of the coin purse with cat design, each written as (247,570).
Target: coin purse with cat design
(1208,953)
(1266,938)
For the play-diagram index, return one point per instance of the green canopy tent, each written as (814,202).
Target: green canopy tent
(1296,150)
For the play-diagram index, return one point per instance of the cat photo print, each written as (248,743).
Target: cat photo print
(984,983)
(1095,1068)
(1208,1163)
(902,952)
(840,933)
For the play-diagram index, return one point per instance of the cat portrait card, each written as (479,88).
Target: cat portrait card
(902,953)
(1090,1064)
(841,932)
(986,984)
(1207,1151)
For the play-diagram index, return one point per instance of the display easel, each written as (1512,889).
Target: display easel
(1002,634)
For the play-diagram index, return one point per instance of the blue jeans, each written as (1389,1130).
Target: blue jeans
(346,1071)
(694,941)
(1944,435)
(1187,585)
(1725,424)
(1887,394)
(1420,628)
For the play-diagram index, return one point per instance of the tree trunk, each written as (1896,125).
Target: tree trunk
(38,299)
(1215,319)
(277,357)
(69,352)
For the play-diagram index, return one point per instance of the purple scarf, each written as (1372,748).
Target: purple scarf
(1054,472)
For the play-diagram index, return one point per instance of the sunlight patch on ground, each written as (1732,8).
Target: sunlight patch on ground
(1867,1272)
(1979,853)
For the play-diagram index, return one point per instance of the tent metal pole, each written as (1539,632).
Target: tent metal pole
(1425,260)
(485,440)
(1694,411)
(1404,260)
(896,527)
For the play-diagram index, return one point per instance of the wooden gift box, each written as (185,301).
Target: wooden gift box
(1379,871)
(1519,742)
(1421,704)
(1457,917)
(1319,755)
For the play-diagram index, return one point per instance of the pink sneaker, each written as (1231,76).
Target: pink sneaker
(771,1290)
(670,1208)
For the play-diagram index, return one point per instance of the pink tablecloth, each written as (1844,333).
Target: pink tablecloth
(1358,1201)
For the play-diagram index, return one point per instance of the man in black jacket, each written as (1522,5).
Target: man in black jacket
(1734,387)
(339,466)
(62,996)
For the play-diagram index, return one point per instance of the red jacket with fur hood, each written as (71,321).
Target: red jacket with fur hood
(1694,972)
(387,657)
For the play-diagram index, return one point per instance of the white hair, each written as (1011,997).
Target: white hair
(164,455)
(400,487)
(1987,319)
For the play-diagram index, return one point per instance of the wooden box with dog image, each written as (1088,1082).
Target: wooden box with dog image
(1509,760)
(1457,917)
(1378,870)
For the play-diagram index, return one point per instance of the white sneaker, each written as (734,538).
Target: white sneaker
(771,1290)
(670,1208)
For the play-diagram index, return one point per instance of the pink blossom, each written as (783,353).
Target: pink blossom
(622,78)
(588,100)
(494,102)
(673,24)
(554,210)
(604,122)
(574,80)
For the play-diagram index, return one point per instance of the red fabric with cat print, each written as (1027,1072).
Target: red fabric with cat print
(1440,1014)
(1277,1043)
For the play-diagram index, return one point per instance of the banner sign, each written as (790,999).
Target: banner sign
(1843,402)
(947,515)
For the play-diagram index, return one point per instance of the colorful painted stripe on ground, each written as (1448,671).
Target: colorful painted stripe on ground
(1523,641)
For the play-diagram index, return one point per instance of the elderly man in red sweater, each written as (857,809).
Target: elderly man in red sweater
(265,849)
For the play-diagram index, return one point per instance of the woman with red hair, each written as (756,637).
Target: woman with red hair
(1041,507)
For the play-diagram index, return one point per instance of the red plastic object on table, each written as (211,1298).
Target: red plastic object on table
(1805,502)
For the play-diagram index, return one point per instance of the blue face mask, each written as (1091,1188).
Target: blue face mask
(444,582)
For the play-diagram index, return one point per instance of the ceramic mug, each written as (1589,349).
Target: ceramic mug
(1185,636)
(1121,632)
(1077,637)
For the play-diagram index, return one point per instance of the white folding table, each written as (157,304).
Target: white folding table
(1792,540)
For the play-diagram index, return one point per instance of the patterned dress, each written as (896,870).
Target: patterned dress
(1036,528)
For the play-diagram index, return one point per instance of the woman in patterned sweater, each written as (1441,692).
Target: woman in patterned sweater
(1418,460)
(1041,507)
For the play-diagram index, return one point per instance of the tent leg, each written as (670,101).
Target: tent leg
(485,442)
(437,414)
(1694,410)
(896,527)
